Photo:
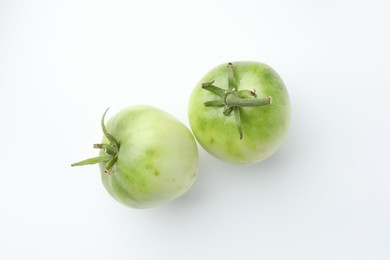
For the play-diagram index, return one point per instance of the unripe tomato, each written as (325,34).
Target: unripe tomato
(240,112)
(147,157)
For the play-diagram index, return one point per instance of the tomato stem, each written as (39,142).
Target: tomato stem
(232,99)
(110,149)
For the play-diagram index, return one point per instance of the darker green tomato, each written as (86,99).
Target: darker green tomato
(240,112)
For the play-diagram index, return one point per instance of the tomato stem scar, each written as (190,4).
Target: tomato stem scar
(232,100)
(110,149)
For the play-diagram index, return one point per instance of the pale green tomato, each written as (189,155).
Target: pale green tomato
(156,160)
(240,112)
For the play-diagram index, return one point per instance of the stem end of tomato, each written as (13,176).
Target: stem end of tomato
(111,151)
(233,100)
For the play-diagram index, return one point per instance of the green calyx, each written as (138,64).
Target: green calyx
(231,99)
(111,150)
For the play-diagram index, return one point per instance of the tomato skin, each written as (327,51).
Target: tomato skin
(157,159)
(264,127)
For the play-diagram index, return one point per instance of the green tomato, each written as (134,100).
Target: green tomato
(240,112)
(147,157)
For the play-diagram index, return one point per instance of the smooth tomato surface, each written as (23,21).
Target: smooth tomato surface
(157,159)
(264,128)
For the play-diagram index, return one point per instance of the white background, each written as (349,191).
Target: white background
(324,195)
